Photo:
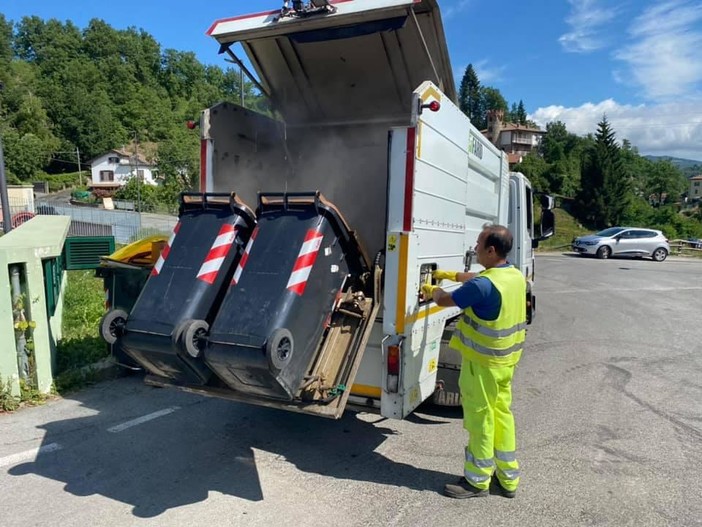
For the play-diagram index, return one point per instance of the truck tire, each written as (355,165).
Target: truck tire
(279,348)
(112,325)
(190,334)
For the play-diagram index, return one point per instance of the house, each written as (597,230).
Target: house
(695,192)
(114,168)
(517,140)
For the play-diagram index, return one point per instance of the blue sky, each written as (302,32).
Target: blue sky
(637,61)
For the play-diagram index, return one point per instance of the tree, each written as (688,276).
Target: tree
(665,183)
(535,168)
(605,193)
(5,42)
(469,96)
(521,116)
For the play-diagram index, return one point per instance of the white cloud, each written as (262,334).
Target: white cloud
(454,8)
(586,20)
(664,58)
(666,129)
(488,73)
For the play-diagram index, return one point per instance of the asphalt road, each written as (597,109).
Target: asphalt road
(608,399)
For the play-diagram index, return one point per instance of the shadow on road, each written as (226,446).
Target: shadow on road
(210,445)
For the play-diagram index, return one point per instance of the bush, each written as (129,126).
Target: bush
(58,182)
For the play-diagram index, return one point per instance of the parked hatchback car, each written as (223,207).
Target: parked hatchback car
(624,241)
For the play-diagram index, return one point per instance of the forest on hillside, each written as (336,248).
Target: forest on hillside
(70,94)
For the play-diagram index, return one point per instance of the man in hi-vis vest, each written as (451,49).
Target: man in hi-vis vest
(490,335)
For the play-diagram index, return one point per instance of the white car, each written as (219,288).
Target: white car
(624,241)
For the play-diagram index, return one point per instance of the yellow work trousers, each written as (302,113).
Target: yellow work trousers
(487,395)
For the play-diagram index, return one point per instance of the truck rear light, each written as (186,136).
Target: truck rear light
(393,360)
(434,106)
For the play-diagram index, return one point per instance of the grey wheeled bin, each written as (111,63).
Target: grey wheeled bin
(164,330)
(270,324)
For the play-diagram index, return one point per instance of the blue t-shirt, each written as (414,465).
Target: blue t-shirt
(480,294)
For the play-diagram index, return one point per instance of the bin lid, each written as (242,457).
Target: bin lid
(361,62)
(140,252)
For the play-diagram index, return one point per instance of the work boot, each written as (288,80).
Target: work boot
(462,489)
(497,488)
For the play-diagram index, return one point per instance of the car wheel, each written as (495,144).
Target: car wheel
(604,252)
(112,325)
(660,254)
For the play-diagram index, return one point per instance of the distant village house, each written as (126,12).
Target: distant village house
(517,140)
(113,169)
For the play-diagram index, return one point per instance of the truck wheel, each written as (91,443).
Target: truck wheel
(279,348)
(191,334)
(112,325)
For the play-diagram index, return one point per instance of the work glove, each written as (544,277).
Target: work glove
(444,275)
(428,291)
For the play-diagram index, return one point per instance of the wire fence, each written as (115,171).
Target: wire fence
(126,226)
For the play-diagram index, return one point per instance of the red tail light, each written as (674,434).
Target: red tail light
(393,360)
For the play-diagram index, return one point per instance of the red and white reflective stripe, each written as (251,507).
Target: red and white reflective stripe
(244,258)
(218,252)
(164,254)
(305,261)
(411,153)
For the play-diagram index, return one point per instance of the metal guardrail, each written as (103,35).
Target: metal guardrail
(691,246)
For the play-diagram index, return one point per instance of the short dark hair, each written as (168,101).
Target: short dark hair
(500,238)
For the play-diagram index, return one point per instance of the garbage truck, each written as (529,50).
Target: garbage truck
(363,179)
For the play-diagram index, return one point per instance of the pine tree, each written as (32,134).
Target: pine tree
(605,195)
(513,116)
(521,113)
(469,96)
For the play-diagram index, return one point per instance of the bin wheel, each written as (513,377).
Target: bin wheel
(279,348)
(112,325)
(191,334)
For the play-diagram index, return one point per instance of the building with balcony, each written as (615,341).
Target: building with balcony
(517,140)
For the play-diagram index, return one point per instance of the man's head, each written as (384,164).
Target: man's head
(493,245)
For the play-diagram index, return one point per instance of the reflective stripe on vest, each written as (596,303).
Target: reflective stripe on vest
(489,332)
(490,352)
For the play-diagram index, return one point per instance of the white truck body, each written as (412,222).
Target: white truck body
(353,91)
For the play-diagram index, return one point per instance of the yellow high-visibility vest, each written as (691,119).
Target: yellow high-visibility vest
(495,343)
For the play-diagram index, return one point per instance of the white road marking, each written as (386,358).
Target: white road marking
(28,455)
(142,419)
(621,290)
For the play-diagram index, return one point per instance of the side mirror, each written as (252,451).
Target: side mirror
(548,226)
(547,202)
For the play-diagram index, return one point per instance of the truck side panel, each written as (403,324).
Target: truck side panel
(446,182)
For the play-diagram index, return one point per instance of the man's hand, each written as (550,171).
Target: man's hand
(445,275)
(428,291)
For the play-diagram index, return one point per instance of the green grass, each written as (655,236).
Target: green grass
(84,305)
(567,228)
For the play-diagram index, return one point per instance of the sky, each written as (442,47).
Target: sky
(639,62)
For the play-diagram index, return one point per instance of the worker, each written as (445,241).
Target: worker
(489,335)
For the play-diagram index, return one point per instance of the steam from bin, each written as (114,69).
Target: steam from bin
(348,164)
